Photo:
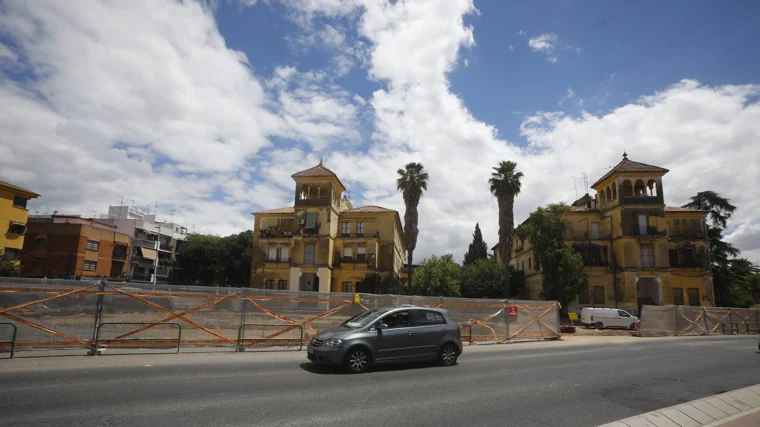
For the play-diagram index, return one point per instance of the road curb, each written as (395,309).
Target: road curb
(709,411)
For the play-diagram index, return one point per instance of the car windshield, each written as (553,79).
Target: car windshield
(363,319)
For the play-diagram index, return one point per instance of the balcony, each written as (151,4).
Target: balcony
(641,200)
(275,234)
(362,260)
(579,235)
(367,235)
(165,247)
(144,243)
(162,271)
(649,232)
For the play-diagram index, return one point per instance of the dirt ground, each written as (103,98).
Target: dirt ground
(582,331)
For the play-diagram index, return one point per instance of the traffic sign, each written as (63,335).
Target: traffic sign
(513,310)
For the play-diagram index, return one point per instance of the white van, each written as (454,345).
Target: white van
(608,318)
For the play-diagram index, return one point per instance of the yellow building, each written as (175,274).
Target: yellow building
(637,251)
(13,217)
(322,243)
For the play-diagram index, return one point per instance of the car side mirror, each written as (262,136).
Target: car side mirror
(381,326)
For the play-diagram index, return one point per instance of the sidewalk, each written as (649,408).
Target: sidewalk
(738,408)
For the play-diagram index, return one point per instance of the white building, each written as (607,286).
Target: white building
(151,240)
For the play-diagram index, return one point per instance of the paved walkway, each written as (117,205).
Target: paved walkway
(733,409)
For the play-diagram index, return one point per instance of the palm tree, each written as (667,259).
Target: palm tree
(412,181)
(505,185)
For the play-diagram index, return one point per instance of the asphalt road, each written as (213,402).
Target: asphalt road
(542,384)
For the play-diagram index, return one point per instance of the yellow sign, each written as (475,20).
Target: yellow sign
(573,316)
(357,299)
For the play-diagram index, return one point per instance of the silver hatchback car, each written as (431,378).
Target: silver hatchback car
(386,335)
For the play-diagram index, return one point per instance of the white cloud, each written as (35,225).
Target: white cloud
(549,44)
(511,48)
(568,95)
(6,53)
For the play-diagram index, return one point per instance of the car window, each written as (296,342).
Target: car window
(363,319)
(622,313)
(396,320)
(426,318)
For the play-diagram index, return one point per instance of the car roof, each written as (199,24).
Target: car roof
(414,307)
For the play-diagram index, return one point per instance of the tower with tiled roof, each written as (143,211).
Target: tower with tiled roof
(322,243)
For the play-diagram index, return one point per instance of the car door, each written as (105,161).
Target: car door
(429,329)
(624,319)
(393,343)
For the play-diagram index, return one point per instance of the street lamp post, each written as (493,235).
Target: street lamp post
(155,261)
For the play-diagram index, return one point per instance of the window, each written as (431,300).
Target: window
(530,260)
(673,255)
(348,254)
(272,255)
(90,265)
(269,284)
(345,228)
(12,252)
(667,229)
(347,288)
(622,313)
(41,242)
(361,254)
(429,318)
(92,245)
(643,224)
(16,228)
(309,254)
(583,297)
(284,253)
(677,296)
(687,257)
(282,285)
(360,229)
(397,320)
(693,294)
(119,252)
(599,295)
(647,256)
(20,202)
(39,262)
(595,230)
(538,264)
(522,265)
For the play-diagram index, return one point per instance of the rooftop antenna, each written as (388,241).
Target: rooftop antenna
(133,203)
(585,181)
(575,185)
(94,214)
(156,213)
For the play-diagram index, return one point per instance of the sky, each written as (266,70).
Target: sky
(206,108)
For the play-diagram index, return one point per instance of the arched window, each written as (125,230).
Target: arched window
(608,194)
(639,189)
(627,188)
(614,191)
(603,197)
(652,186)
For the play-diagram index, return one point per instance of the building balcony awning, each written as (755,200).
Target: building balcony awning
(148,253)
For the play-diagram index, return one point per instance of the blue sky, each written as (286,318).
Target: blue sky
(208,107)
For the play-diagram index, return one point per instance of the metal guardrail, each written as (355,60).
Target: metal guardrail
(138,341)
(12,342)
(273,337)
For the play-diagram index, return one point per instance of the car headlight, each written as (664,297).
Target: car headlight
(332,343)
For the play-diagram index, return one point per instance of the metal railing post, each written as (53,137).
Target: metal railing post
(731,323)
(243,313)
(704,317)
(98,316)
(13,337)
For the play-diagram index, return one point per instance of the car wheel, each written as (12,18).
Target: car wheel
(357,361)
(632,327)
(448,355)
(599,325)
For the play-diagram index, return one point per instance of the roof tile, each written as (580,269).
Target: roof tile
(680,209)
(368,209)
(316,171)
(17,188)
(285,210)
(626,165)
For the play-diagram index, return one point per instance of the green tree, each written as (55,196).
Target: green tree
(728,271)
(412,181)
(438,276)
(234,259)
(483,278)
(562,267)
(374,283)
(8,265)
(478,248)
(505,185)
(199,257)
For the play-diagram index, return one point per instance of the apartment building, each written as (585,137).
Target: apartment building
(156,245)
(322,243)
(71,246)
(13,217)
(637,251)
